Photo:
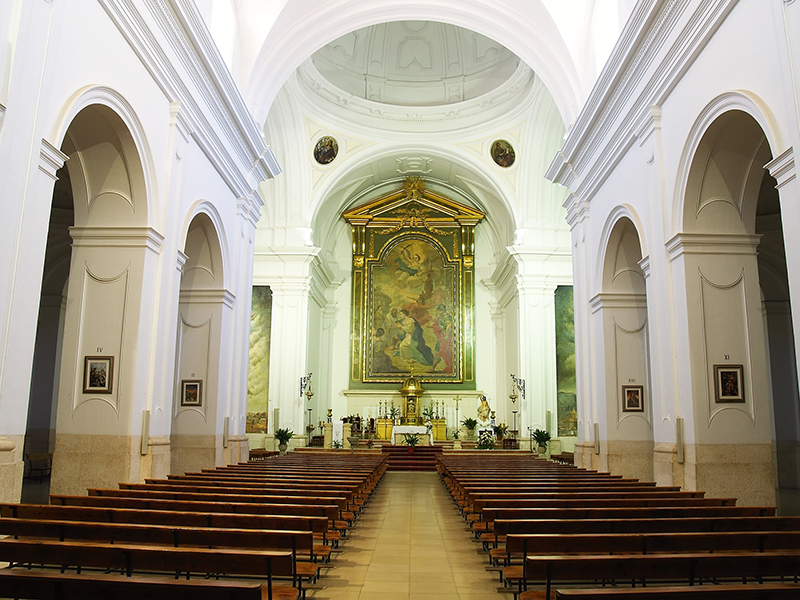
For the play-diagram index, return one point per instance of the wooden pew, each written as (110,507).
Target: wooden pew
(680,568)
(504,527)
(42,585)
(299,543)
(766,591)
(131,558)
(641,543)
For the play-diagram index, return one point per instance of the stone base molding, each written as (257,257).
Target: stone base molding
(631,459)
(82,461)
(12,468)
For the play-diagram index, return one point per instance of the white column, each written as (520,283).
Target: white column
(287,272)
(783,169)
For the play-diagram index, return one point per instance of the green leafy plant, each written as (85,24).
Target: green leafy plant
(485,441)
(336,444)
(394,412)
(500,430)
(283,435)
(427,414)
(411,439)
(469,423)
(541,437)
(455,434)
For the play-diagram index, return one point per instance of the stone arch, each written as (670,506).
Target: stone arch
(529,32)
(204,316)
(688,176)
(621,307)
(124,135)
(725,199)
(113,255)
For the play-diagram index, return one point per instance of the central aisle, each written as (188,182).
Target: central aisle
(409,543)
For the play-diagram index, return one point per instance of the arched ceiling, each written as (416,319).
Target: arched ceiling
(415,63)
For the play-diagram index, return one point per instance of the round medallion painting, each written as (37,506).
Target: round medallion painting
(326,150)
(503,153)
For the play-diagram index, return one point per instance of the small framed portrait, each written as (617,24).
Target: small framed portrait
(192,392)
(503,153)
(728,383)
(326,150)
(633,398)
(98,374)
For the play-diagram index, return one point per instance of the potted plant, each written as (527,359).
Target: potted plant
(470,424)
(427,414)
(499,431)
(394,413)
(283,436)
(456,441)
(336,444)
(541,437)
(411,440)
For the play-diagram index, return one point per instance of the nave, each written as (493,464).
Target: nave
(410,544)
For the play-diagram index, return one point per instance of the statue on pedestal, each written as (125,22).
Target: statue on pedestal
(484,410)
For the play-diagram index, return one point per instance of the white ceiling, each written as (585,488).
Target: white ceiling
(415,63)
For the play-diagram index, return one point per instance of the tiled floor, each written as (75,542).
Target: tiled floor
(410,543)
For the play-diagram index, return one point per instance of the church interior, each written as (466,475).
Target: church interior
(442,235)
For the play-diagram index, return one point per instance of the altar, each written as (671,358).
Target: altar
(421,431)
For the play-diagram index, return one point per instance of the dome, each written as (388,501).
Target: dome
(411,386)
(415,63)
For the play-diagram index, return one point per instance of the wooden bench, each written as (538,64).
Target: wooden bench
(130,558)
(522,545)
(565,458)
(39,585)
(681,568)
(766,591)
(504,527)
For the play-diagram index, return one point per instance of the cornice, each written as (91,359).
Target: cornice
(190,42)
(523,86)
(117,237)
(208,296)
(611,300)
(712,244)
(51,159)
(618,107)
(782,167)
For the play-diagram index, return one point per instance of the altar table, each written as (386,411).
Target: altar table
(420,430)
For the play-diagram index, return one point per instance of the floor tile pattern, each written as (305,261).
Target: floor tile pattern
(410,543)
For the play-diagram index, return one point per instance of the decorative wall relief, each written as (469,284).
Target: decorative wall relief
(565,362)
(258,373)
(413,287)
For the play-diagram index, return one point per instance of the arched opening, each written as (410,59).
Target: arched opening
(41,425)
(622,305)
(740,329)
(781,353)
(102,203)
(204,307)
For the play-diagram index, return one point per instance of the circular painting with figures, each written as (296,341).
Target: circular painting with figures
(503,153)
(326,150)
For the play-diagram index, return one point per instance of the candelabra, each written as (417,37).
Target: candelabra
(457,399)
(517,385)
(305,389)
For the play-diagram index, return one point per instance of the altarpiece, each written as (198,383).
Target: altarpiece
(413,287)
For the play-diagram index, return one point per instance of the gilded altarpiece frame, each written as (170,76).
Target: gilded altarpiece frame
(413,288)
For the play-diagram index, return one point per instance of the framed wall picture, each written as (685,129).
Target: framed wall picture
(633,398)
(728,383)
(192,392)
(98,374)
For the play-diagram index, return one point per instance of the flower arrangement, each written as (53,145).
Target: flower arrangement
(485,441)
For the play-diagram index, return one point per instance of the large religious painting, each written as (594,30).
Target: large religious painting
(413,288)
(258,373)
(565,362)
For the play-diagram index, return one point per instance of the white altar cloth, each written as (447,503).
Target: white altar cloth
(399,430)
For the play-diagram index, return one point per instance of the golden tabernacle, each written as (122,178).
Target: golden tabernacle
(411,393)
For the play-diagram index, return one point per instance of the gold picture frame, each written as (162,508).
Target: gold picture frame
(632,398)
(413,287)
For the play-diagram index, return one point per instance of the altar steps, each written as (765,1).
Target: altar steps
(423,458)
